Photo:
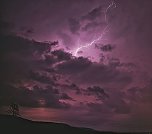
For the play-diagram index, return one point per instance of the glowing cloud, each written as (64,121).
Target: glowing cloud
(105,30)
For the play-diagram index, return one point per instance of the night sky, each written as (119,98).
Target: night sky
(82,62)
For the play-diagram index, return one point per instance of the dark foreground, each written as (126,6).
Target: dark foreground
(17,125)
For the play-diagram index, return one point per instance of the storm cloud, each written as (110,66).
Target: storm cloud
(105,86)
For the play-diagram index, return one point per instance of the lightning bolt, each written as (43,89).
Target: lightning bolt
(105,30)
(112,4)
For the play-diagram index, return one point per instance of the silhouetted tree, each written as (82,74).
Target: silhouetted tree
(14,109)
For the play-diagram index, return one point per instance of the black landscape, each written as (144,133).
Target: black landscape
(16,125)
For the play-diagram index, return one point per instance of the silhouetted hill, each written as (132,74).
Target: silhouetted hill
(17,125)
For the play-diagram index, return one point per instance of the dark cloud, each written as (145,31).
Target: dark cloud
(96,91)
(21,45)
(31,98)
(105,48)
(18,56)
(88,21)
(84,71)
(56,57)
(93,14)
(65,96)
(43,78)
(27,58)
(76,89)
(50,59)
(61,55)
(80,52)
(75,65)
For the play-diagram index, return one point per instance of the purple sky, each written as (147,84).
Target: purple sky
(106,86)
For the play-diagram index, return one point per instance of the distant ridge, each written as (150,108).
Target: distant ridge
(17,125)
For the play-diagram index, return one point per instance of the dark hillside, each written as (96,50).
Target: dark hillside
(18,125)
